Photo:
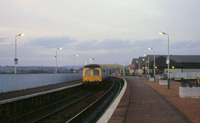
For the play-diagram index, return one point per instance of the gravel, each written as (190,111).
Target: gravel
(190,107)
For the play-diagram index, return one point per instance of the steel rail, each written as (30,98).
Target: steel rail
(112,107)
(95,102)
(50,109)
(62,107)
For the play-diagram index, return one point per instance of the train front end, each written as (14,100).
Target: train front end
(92,73)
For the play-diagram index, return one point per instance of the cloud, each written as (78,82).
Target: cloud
(185,47)
(107,44)
(114,44)
(52,42)
(42,49)
(86,45)
(2,39)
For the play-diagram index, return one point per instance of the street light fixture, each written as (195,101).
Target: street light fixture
(154,64)
(138,64)
(16,59)
(73,62)
(167,61)
(60,48)
(91,60)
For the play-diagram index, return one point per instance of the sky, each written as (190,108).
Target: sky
(110,31)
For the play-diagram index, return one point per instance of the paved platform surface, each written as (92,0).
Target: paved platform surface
(142,104)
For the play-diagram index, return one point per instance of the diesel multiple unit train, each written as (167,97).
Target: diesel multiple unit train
(94,73)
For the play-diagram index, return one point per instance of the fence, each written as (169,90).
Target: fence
(13,82)
(184,75)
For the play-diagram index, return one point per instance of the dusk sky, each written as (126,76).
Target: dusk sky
(110,31)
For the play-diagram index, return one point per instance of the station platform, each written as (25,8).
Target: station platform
(142,104)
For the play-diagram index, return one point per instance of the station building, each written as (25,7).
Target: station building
(178,63)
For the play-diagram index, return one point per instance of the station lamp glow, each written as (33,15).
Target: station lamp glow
(162,33)
(22,34)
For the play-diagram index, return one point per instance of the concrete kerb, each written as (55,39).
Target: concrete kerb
(107,115)
(192,92)
(163,82)
(151,79)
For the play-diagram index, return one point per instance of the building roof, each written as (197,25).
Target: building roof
(186,58)
(134,60)
(181,61)
(179,58)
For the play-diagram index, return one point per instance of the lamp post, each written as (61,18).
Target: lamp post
(144,65)
(148,67)
(168,60)
(56,57)
(16,59)
(130,69)
(73,62)
(154,64)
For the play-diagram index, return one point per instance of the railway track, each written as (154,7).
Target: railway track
(95,110)
(64,105)
(36,106)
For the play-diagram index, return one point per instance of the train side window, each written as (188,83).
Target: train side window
(103,72)
(96,72)
(88,72)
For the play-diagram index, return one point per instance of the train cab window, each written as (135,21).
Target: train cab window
(96,72)
(88,72)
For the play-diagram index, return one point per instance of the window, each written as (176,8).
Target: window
(103,72)
(88,72)
(96,72)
